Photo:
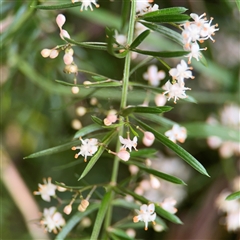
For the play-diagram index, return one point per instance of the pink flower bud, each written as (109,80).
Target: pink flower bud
(64,34)
(67,58)
(123,154)
(148,139)
(68,209)
(46,52)
(54,53)
(160,100)
(60,20)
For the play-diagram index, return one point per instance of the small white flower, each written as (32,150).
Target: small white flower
(168,205)
(198,20)
(88,148)
(208,31)
(46,190)
(128,143)
(146,214)
(143,6)
(86,4)
(175,91)
(233,221)
(194,51)
(177,133)
(52,220)
(153,75)
(181,71)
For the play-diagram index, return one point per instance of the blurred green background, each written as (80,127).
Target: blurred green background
(37,112)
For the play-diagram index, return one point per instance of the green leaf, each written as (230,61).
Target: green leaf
(154,110)
(233,196)
(89,45)
(125,13)
(204,130)
(167,11)
(97,155)
(238,4)
(59,6)
(167,32)
(156,16)
(139,39)
(82,132)
(156,173)
(160,211)
(164,54)
(101,215)
(119,233)
(52,150)
(97,120)
(186,156)
(86,130)
(75,219)
(144,152)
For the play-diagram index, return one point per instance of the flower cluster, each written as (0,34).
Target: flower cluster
(70,66)
(177,133)
(197,31)
(146,214)
(88,148)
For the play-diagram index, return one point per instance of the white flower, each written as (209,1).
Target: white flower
(46,190)
(168,205)
(146,214)
(153,75)
(52,220)
(198,20)
(143,6)
(60,20)
(194,51)
(175,91)
(177,133)
(181,71)
(191,33)
(128,143)
(88,148)
(86,4)
(208,31)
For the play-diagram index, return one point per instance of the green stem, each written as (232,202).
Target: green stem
(123,104)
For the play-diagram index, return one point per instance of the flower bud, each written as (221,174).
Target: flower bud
(75,90)
(46,52)
(81,111)
(72,68)
(83,206)
(123,154)
(60,20)
(67,58)
(68,209)
(54,53)
(76,124)
(160,100)
(148,139)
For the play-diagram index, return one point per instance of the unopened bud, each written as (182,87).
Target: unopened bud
(46,52)
(75,90)
(81,111)
(72,68)
(68,209)
(123,154)
(61,189)
(83,206)
(148,139)
(54,53)
(69,51)
(67,58)
(160,100)
(60,20)
(76,124)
